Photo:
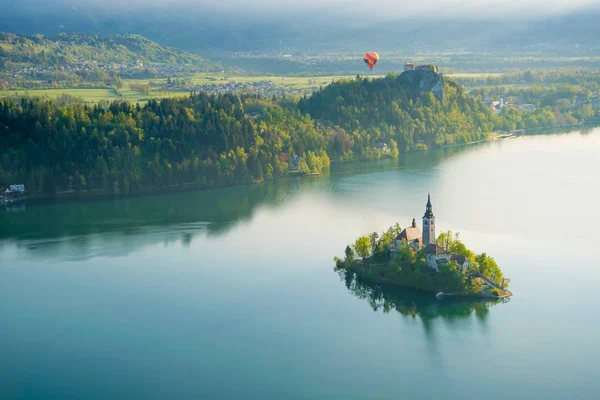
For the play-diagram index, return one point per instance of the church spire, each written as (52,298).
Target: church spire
(428,224)
(428,209)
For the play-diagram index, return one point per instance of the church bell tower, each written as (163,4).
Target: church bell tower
(428,224)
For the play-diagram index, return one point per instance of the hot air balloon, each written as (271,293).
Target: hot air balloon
(371,59)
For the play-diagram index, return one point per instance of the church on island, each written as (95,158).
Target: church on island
(426,240)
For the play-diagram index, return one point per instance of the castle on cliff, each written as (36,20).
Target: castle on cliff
(427,67)
(426,240)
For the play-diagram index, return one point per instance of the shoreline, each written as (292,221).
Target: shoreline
(459,295)
(98,194)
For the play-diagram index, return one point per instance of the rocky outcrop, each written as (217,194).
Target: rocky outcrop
(421,81)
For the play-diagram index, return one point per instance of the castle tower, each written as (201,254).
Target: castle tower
(428,224)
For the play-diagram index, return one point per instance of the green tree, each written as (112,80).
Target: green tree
(362,247)
(394,148)
(488,267)
(451,243)
(373,241)
(349,255)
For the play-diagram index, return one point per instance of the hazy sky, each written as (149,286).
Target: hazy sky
(403,7)
(378,8)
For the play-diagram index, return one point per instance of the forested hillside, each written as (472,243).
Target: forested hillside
(208,140)
(79,52)
(390,108)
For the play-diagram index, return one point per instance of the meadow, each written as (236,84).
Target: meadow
(88,95)
(285,83)
(127,93)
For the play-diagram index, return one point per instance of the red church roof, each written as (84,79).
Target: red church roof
(409,234)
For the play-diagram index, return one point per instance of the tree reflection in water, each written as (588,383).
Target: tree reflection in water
(413,303)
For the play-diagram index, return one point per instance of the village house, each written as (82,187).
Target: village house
(383,148)
(17,188)
(295,164)
(417,240)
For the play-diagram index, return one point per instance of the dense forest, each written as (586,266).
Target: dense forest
(212,140)
(92,56)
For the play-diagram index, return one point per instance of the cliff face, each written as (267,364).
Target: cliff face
(423,81)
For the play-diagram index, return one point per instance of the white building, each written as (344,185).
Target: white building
(17,188)
(435,254)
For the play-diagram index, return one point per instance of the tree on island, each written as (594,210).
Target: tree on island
(362,247)
(451,243)
(488,267)
(373,241)
(349,254)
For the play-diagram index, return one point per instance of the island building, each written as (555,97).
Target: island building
(426,240)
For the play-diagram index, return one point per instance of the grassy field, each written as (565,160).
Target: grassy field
(93,95)
(127,93)
(281,81)
(473,75)
(89,95)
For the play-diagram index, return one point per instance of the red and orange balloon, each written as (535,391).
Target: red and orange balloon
(371,59)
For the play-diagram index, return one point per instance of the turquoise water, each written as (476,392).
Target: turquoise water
(231,294)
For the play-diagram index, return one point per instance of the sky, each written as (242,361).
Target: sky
(403,7)
(245,25)
(392,9)
(400,8)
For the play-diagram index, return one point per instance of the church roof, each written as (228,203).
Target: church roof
(433,248)
(409,234)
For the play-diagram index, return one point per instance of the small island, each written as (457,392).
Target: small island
(414,259)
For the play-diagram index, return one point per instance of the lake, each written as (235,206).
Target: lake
(231,294)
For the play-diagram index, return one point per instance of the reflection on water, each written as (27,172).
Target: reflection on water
(215,207)
(415,304)
(15,208)
(118,226)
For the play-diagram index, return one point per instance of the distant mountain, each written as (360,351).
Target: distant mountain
(64,50)
(200,28)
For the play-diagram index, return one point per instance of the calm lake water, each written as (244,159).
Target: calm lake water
(231,293)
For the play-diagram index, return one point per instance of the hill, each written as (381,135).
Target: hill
(39,56)
(406,108)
